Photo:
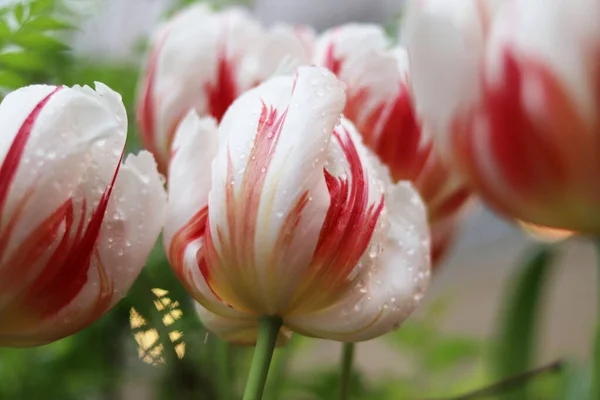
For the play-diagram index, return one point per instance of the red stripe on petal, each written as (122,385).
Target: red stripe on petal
(398,144)
(331,62)
(345,235)
(223,91)
(196,229)
(67,271)
(11,162)
(350,220)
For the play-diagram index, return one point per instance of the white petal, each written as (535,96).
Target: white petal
(350,43)
(389,279)
(560,35)
(242,330)
(133,220)
(284,48)
(307,108)
(446,42)
(193,151)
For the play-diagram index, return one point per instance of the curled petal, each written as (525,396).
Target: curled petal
(242,330)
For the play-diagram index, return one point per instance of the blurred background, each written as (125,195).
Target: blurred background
(152,345)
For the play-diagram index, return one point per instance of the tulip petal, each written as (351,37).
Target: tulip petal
(389,278)
(392,288)
(198,60)
(192,154)
(241,331)
(269,196)
(445,41)
(194,148)
(57,155)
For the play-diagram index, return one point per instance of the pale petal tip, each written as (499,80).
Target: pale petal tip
(191,125)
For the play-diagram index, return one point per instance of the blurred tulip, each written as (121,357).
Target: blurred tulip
(291,216)
(76,225)
(203,60)
(380,104)
(523,126)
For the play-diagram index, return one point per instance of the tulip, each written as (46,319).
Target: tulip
(76,225)
(281,216)
(203,60)
(524,127)
(281,211)
(380,104)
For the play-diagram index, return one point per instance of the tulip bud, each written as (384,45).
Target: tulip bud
(203,60)
(77,226)
(381,105)
(523,125)
(292,216)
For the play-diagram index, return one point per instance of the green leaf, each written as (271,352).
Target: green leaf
(38,7)
(19,12)
(22,61)
(47,23)
(517,327)
(33,40)
(11,80)
(4,30)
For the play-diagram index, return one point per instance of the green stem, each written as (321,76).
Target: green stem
(268,330)
(596,354)
(347,358)
(223,364)
(281,361)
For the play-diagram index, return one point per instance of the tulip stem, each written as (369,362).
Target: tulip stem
(224,366)
(347,359)
(268,330)
(596,353)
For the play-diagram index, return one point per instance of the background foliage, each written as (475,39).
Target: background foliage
(154,339)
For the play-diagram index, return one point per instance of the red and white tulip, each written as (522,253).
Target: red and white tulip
(76,226)
(381,106)
(523,125)
(204,60)
(282,210)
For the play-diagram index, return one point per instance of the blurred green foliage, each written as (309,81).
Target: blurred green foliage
(31,45)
